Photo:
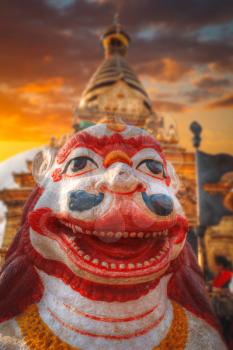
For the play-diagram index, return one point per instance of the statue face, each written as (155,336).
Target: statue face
(108,210)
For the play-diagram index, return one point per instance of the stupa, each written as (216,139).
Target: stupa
(114,91)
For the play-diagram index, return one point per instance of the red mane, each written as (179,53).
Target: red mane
(20,284)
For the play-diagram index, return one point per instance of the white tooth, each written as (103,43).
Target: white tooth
(139,265)
(125,234)
(119,234)
(102,234)
(104,263)
(133,234)
(152,259)
(113,266)
(131,266)
(95,261)
(154,234)
(81,252)
(146,263)
(140,234)
(148,235)
(110,234)
(88,232)
(95,232)
(87,257)
(121,266)
(157,257)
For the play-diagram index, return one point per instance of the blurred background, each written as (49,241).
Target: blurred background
(161,65)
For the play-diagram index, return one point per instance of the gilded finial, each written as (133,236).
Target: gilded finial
(116,20)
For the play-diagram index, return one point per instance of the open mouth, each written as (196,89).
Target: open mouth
(110,253)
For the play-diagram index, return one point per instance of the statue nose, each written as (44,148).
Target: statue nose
(119,178)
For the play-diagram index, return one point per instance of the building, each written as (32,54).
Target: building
(114,93)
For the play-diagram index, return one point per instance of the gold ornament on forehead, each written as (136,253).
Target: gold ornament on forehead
(113,123)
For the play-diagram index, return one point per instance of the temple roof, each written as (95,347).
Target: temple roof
(115,90)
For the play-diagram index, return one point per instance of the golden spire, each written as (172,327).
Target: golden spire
(114,91)
(115,40)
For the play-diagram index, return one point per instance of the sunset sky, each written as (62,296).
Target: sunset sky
(182,51)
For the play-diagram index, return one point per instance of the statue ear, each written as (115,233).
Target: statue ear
(175,182)
(42,162)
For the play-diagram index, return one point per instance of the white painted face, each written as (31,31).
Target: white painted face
(108,210)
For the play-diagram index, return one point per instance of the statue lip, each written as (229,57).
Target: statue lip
(112,254)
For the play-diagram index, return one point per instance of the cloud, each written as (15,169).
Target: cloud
(225,102)
(169,106)
(165,69)
(43,86)
(209,82)
(208,87)
(50,49)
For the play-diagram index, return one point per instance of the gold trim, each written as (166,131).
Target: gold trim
(106,41)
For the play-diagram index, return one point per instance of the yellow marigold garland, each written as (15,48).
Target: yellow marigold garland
(177,335)
(38,336)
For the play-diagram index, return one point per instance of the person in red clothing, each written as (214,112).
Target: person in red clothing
(223,272)
(223,298)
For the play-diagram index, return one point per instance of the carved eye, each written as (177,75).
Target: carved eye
(151,167)
(80,165)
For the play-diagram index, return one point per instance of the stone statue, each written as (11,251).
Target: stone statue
(100,261)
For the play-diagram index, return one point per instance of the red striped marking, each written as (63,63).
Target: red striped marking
(108,319)
(106,336)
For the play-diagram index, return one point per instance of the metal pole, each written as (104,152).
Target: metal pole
(196,129)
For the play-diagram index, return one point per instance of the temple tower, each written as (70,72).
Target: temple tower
(114,91)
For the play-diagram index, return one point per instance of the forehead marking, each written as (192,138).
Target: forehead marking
(117,156)
(106,144)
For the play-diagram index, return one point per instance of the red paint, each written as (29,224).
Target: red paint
(21,286)
(121,217)
(108,319)
(186,286)
(57,175)
(106,336)
(138,188)
(106,144)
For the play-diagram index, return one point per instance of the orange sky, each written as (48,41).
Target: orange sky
(50,49)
